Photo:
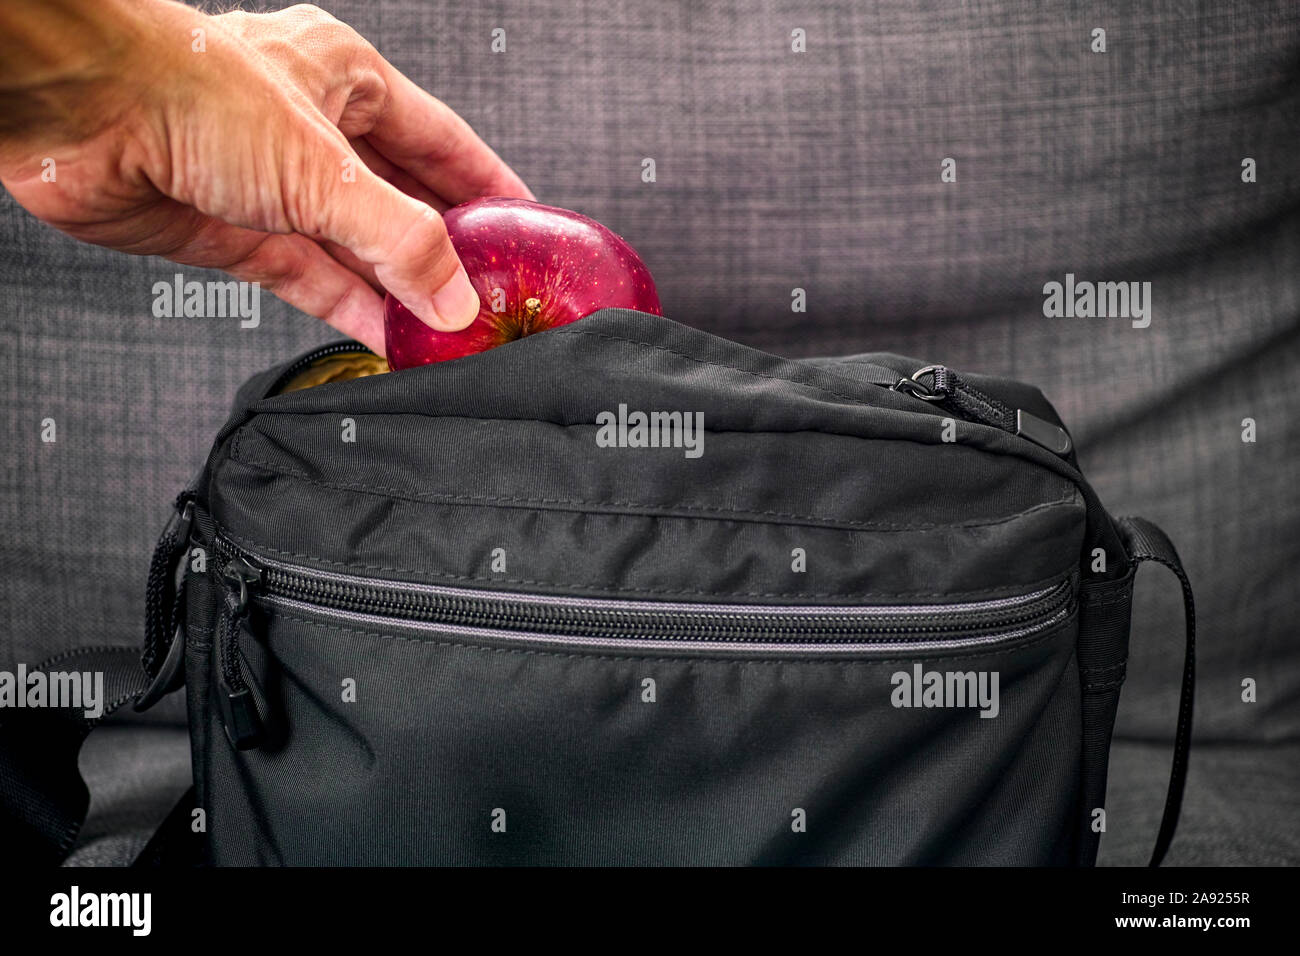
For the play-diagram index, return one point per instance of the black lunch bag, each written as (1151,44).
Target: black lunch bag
(520,608)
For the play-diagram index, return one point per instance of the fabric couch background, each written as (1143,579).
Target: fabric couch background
(819,170)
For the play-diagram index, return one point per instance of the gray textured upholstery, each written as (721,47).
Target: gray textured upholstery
(817,170)
(1239,808)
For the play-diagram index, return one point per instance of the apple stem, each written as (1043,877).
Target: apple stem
(532,307)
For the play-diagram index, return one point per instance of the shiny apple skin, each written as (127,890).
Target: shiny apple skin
(572,265)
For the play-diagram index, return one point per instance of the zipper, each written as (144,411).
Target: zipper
(624,625)
(948,391)
(237,705)
(334,348)
(601,624)
(954,395)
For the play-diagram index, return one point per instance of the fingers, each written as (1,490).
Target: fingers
(403,239)
(394,174)
(290,266)
(425,137)
(364,269)
(300,272)
(390,173)
(378,219)
(363,94)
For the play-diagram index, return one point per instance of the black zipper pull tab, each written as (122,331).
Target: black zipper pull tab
(949,392)
(238,707)
(246,577)
(1042,432)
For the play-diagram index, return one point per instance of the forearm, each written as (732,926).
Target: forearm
(62,62)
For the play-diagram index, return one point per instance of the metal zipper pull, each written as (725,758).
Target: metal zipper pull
(1041,432)
(246,577)
(238,707)
(949,392)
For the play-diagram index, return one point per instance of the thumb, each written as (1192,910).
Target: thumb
(406,242)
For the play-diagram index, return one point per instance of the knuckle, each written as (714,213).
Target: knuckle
(307,11)
(235,19)
(426,241)
(315,23)
(308,189)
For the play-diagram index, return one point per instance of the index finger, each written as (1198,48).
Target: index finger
(425,137)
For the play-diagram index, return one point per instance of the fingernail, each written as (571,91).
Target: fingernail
(456,304)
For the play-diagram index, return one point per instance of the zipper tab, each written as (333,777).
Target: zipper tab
(1052,437)
(952,394)
(240,718)
(236,703)
(246,576)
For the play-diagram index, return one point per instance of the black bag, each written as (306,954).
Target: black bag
(499,611)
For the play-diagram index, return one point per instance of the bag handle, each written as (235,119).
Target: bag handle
(1146,542)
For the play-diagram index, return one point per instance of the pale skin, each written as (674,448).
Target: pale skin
(287,152)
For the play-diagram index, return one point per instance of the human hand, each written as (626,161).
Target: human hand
(287,151)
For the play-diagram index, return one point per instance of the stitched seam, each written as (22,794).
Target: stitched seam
(1053,634)
(1106,683)
(600,589)
(94,649)
(1126,598)
(838,362)
(1103,668)
(982,407)
(1122,596)
(648,511)
(199,636)
(1099,688)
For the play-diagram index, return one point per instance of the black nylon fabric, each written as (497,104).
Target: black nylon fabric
(498,451)
(43,799)
(656,534)
(445,732)
(1104,620)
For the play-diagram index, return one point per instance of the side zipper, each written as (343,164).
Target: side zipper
(239,714)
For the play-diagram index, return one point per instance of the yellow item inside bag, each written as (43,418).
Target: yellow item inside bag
(338,367)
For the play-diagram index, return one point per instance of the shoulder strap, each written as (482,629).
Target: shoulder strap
(1146,542)
(43,799)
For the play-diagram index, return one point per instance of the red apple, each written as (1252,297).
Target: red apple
(535,267)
